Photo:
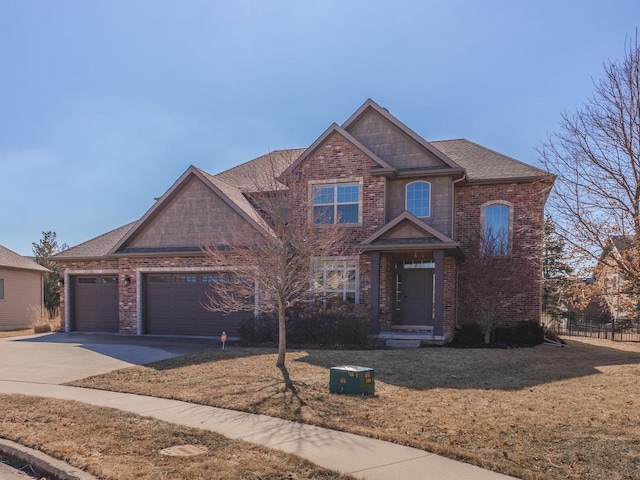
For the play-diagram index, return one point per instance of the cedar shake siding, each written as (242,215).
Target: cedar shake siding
(408,265)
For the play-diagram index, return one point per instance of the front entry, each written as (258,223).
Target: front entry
(416,295)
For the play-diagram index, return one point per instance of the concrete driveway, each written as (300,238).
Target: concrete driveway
(58,358)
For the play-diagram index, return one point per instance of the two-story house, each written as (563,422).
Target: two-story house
(415,213)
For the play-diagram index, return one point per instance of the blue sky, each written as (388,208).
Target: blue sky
(104,104)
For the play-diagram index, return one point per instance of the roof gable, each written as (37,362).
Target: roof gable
(11,259)
(407,231)
(392,140)
(198,210)
(335,128)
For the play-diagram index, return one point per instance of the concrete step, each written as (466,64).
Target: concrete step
(401,343)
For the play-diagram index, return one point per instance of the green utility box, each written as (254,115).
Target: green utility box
(351,379)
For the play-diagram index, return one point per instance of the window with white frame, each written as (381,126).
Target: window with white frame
(337,279)
(1,288)
(496,228)
(418,199)
(336,203)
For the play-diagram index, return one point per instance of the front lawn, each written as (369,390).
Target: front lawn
(543,412)
(115,445)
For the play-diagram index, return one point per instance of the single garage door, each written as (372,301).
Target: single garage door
(95,303)
(175,306)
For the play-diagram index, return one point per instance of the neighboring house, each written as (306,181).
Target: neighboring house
(618,297)
(411,208)
(21,290)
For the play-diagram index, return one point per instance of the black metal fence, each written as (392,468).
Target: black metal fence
(583,325)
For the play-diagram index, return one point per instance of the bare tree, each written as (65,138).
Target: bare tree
(282,266)
(596,158)
(487,280)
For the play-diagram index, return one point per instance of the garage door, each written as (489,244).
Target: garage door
(175,306)
(95,303)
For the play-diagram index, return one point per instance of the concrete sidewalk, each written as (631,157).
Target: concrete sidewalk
(361,457)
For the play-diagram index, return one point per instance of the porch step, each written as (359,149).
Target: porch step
(413,328)
(403,343)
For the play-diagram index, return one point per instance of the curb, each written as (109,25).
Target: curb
(42,463)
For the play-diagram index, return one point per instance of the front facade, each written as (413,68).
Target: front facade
(21,290)
(414,213)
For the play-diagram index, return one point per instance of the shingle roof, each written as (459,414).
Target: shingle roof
(247,176)
(483,164)
(96,247)
(10,259)
(236,196)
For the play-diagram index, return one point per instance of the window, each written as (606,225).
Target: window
(186,278)
(1,288)
(418,199)
(82,280)
(336,203)
(496,229)
(159,278)
(337,279)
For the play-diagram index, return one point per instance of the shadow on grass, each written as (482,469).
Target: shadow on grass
(489,369)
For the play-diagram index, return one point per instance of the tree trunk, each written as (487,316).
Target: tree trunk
(282,336)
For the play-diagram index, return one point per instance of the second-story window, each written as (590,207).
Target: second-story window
(496,229)
(418,199)
(336,203)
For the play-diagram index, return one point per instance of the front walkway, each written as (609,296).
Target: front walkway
(361,457)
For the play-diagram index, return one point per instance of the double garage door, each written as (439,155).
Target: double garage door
(172,304)
(176,305)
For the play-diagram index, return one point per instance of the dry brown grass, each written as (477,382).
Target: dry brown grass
(544,412)
(114,445)
(16,333)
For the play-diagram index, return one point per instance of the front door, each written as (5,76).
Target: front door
(417,298)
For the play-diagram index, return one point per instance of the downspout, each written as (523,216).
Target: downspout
(453,236)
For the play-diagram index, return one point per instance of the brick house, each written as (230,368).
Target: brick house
(415,211)
(616,296)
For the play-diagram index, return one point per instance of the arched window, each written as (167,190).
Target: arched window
(418,199)
(496,228)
